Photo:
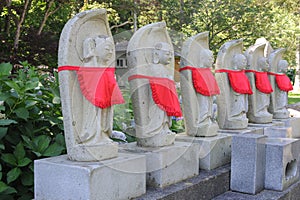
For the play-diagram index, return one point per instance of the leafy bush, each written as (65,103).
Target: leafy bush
(30,126)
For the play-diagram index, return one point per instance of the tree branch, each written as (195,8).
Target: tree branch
(123,24)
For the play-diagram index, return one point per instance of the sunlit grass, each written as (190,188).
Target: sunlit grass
(293,98)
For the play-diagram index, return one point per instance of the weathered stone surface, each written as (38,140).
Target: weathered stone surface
(58,178)
(282,159)
(291,193)
(247,163)
(207,185)
(167,165)
(213,151)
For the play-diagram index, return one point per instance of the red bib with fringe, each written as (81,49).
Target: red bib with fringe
(283,82)
(163,93)
(238,81)
(262,81)
(203,80)
(98,85)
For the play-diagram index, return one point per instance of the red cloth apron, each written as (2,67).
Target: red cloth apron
(262,81)
(98,85)
(238,81)
(283,81)
(203,80)
(163,93)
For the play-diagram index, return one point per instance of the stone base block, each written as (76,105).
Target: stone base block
(247,163)
(274,129)
(294,124)
(278,132)
(282,168)
(58,178)
(254,130)
(213,151)
(167,165)
(90,153)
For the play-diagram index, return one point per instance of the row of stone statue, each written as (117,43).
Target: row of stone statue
(89,89)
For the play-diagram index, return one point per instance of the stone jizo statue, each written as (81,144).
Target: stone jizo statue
(198,86)
(257,73)
(234,86)
(88,87)
(281,84)
(154,98)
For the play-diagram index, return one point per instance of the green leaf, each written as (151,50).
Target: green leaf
(23,162)
(30,103)
(19,152)
(27,142)
(3,131)
(60,139)
(3,187)
(13,85)
(53,150)
(27,179)
(41,143)
(2,147)
(31,85)
(22,113)
(9,158)
(0,175)
(9,190)
(6,122)
(5,68)
(13,174)
(56,100)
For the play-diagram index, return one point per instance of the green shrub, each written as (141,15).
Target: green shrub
(30,126)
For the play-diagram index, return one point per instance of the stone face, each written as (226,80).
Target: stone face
(198,108)
(150,58)
(120,178)
(213,151)
(247,163)
(86,41)
(259,101)
(167,165)
(232,106)
(282,160)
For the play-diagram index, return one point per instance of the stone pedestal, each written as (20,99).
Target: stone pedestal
(294,124)
(282,158)
(213,151)
(58,178)
(247,163)
(254,130)
(275,129)
(167,165)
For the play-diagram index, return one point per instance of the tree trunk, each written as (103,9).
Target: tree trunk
(19,26)
(8,17)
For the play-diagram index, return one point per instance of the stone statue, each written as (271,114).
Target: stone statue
(281,84)
(88,87)
(154,98)
(257,73)
(234,86)
(198,86)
